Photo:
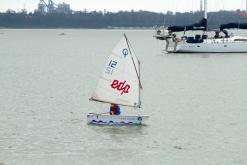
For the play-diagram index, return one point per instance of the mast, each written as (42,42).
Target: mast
(139,84)
(201,6)
(137,74)
(206,13)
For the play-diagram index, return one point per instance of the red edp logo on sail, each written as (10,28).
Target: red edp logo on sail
(120,86)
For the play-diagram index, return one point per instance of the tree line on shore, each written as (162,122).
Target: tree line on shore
(121,19)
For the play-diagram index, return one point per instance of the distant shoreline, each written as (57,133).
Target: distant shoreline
(119,20)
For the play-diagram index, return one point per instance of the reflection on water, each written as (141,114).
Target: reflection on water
(119,130)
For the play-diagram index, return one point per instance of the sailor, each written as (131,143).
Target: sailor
(217,34)
(115,109)
(226,33)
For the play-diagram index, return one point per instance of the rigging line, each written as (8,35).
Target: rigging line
(133,61)
(223,4)
(244,7)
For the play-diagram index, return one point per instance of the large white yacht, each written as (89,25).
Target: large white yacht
(203,43)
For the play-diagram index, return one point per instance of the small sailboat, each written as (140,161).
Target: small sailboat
(119,84)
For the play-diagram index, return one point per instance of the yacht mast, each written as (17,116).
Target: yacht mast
(246,6)
(206,13)
(201,6)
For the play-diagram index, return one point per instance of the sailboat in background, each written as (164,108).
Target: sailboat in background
(202,43)
(119,84)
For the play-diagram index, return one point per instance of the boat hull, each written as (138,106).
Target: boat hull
(212,48)
(106,119)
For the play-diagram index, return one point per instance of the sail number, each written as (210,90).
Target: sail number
(110,67)
(125,52)
(120,86)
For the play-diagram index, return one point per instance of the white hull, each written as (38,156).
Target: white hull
(212,48)
(103,119)
(226,45)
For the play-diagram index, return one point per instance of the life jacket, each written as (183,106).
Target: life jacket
(115,110)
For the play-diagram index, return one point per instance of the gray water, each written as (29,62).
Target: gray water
(197,103)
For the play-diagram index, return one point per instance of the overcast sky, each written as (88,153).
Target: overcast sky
(116,5)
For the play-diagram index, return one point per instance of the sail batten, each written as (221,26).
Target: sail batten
(119,82)
(109,102)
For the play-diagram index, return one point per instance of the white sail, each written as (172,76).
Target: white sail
(120,81)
